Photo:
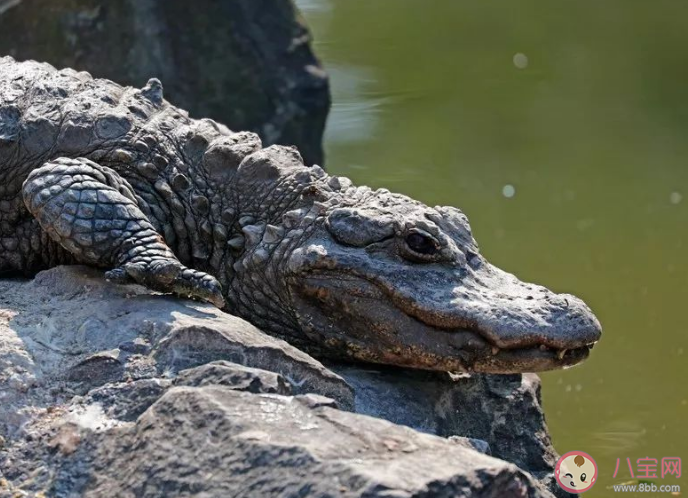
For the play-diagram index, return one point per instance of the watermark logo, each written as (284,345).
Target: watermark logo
(576,472)
(646,468)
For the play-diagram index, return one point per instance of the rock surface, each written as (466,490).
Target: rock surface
(245,63)
(279,446)
(184,400)
(483,407)
(70,327)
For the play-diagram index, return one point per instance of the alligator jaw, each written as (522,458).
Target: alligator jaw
(361,319)
(533,359)
(528,327)
(470,351)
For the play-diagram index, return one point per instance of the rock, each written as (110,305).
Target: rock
(69,328)
(97,369)
(213,441)
(96,376)
(481,407)
(494,402)
(472,443)
(125,401)
(245,63)
(237,377)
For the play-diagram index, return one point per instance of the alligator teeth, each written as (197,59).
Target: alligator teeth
(495,350)
(543,347)
(561,353)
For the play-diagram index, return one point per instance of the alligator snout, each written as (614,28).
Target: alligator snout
(519,326)
(537,317)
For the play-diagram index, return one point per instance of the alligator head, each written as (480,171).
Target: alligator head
(379,277)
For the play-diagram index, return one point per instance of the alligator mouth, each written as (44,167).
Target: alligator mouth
(535,355)
(530,359)
(487,352)
(379,325)
(470,350)
(519,327)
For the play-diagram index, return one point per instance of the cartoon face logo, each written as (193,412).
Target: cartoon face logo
(576,472)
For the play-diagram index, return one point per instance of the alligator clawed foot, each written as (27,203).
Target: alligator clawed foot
(170,276)
(198,284)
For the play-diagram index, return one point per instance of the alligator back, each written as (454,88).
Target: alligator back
(155,147)
(46,113)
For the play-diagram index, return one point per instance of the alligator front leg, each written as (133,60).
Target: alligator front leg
(92,212)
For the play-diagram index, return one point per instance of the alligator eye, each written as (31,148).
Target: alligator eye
(422,244)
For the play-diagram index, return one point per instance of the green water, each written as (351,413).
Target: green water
(588,128)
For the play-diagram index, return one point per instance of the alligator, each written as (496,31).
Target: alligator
(116,177)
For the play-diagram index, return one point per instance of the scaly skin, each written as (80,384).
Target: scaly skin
(98,174)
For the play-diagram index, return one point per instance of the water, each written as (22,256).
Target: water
(561,130)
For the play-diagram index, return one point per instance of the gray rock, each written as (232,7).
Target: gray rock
(213,441)
(237,377)
(183,399)
(246,63)
(486,406)
(125,401)
(501,414)
(472,443)
(65,331)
